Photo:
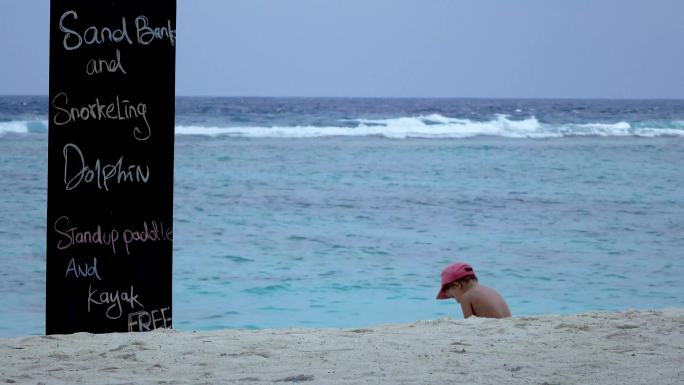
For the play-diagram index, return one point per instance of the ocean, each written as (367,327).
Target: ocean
(341,212)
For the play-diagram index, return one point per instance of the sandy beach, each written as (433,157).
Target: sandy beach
(632,347)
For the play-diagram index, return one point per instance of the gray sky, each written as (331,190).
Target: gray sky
(397,48)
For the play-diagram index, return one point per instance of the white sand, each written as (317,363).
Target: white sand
(635,347)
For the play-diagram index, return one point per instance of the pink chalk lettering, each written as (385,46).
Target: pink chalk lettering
(72,235)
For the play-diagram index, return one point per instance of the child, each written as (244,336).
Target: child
(459,282)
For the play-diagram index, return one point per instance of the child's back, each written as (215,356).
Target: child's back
(483,301)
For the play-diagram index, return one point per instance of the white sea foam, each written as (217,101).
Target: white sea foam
(23,127)
(430,126)
(14,127)
(424,126)
(437,126)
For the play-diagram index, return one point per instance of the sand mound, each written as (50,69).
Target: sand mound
(633,347)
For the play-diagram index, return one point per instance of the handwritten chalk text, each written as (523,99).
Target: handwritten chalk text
(93,35)
(153,233)
(114,300)
(145,321)
(101,174)
(115,110)
(147,34)
(82,271)
(98,66)
(72,236)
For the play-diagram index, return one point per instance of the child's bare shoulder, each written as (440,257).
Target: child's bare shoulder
(478,291)
(487,302)
(482,294)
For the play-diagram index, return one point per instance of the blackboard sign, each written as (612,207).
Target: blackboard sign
(110,165)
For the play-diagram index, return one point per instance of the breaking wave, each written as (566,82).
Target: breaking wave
(438,126)
(424,126)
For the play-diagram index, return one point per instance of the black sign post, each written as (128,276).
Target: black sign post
(110,165)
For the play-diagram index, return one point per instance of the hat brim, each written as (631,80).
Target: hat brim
(442,294)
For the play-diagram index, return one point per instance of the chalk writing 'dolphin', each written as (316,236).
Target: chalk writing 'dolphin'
(115,110)
(100,174)
(113,299)
(93,35)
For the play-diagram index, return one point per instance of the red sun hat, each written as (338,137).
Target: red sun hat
(452,273)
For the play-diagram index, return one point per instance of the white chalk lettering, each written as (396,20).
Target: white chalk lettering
(82,271)
(113,299)
(94,35)
(100,174)
(147,34)
(145,321)
(98,66)
(116,110)
(91,35)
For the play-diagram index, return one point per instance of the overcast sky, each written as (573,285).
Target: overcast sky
(397,48)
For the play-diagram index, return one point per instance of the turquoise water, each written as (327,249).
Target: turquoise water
(353,230)
(357,232)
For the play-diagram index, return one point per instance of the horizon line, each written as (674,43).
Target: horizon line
(404,97)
